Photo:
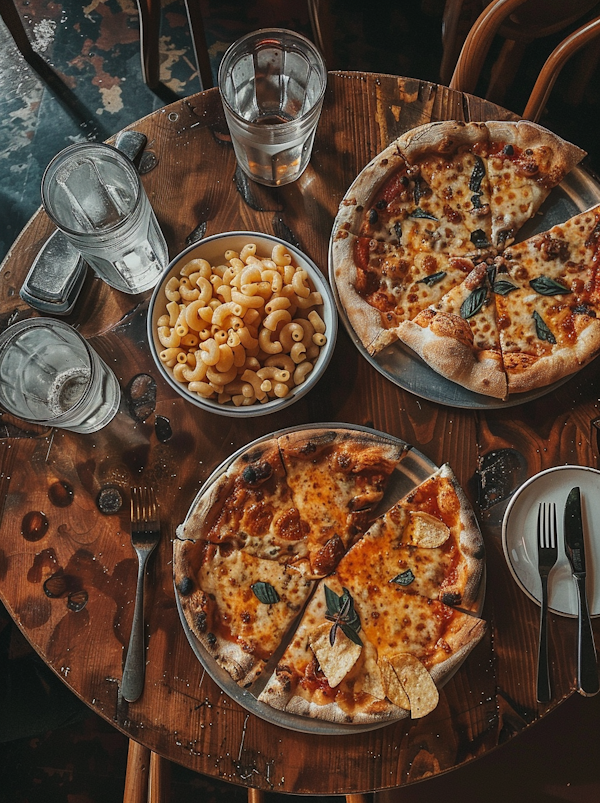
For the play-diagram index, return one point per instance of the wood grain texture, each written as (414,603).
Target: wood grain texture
(182,714)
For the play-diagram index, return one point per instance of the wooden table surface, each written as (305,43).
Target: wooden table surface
(83,557)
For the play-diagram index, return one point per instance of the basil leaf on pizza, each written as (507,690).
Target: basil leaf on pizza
(265,593)
(433,279)
(541,328)
(473,303)
(479,239)
(546,286)
(421,213)
(503,287)
(404,578)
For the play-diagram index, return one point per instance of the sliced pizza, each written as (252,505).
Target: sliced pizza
(548,303)
(458,336)
(344,663)
(237,605)
(525,161)
(250,506)
(381,285)
(429,543)
(443,196)
(336,477)
(447,162)
(240,561)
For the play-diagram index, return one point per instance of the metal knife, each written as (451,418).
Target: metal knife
(587,670)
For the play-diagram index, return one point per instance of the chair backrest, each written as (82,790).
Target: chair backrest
(488,24)
(477,44)
(554,64)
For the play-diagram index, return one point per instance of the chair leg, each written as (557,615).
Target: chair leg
(196,24)
(14,23)
(256,796)
(159,779)
(136,776)
(356,799)
(149,14)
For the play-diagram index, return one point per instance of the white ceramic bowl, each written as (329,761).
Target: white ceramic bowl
(213,249)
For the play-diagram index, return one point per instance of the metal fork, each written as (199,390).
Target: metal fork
(145,535)
(547,555)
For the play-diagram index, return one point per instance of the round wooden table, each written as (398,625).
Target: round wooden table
(81,630)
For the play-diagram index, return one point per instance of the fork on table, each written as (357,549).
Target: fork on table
(145,535)
(547,556)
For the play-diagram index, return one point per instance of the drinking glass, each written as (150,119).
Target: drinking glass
(93,193)
(49,375)
(272,84)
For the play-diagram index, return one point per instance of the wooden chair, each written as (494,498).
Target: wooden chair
(148,774)
(477,44)
(318,12)
(518,22)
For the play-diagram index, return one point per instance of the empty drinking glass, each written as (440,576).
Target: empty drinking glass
(49,375)
(94,195)
(272,83)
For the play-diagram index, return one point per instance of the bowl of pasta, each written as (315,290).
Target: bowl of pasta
(242,324)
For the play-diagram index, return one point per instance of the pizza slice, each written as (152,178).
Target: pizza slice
(237,605)
(458,336)
(548,303)
(524,162)
(429,543)
(566,253)
(251,507)
(367,652)
(337,477)
(449,173)
(380,284)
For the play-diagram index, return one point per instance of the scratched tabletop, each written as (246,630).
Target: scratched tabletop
(67,569)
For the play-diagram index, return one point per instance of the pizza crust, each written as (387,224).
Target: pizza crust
(447,347)
(471,546)
(364,187)
(376,711)
(443,137)
(527,373)
(525,134)
(209,506)
(366,321)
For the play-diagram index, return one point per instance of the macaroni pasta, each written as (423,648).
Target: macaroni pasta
(243,332)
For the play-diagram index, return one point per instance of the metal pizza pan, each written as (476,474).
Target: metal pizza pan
(577,192)
(412,470)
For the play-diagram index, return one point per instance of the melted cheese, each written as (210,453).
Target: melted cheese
(234,610)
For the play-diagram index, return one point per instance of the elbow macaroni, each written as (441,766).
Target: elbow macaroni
(242,332)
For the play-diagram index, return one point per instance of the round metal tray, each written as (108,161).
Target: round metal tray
(411,471)
(577,192)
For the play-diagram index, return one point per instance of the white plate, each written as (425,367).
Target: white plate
(519,536)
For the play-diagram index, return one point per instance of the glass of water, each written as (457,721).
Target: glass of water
(93,193)
(272,84)
(49,375)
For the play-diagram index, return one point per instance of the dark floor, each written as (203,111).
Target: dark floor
(52,748)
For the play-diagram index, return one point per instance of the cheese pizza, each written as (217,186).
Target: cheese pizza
(417,224)
(372,611)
